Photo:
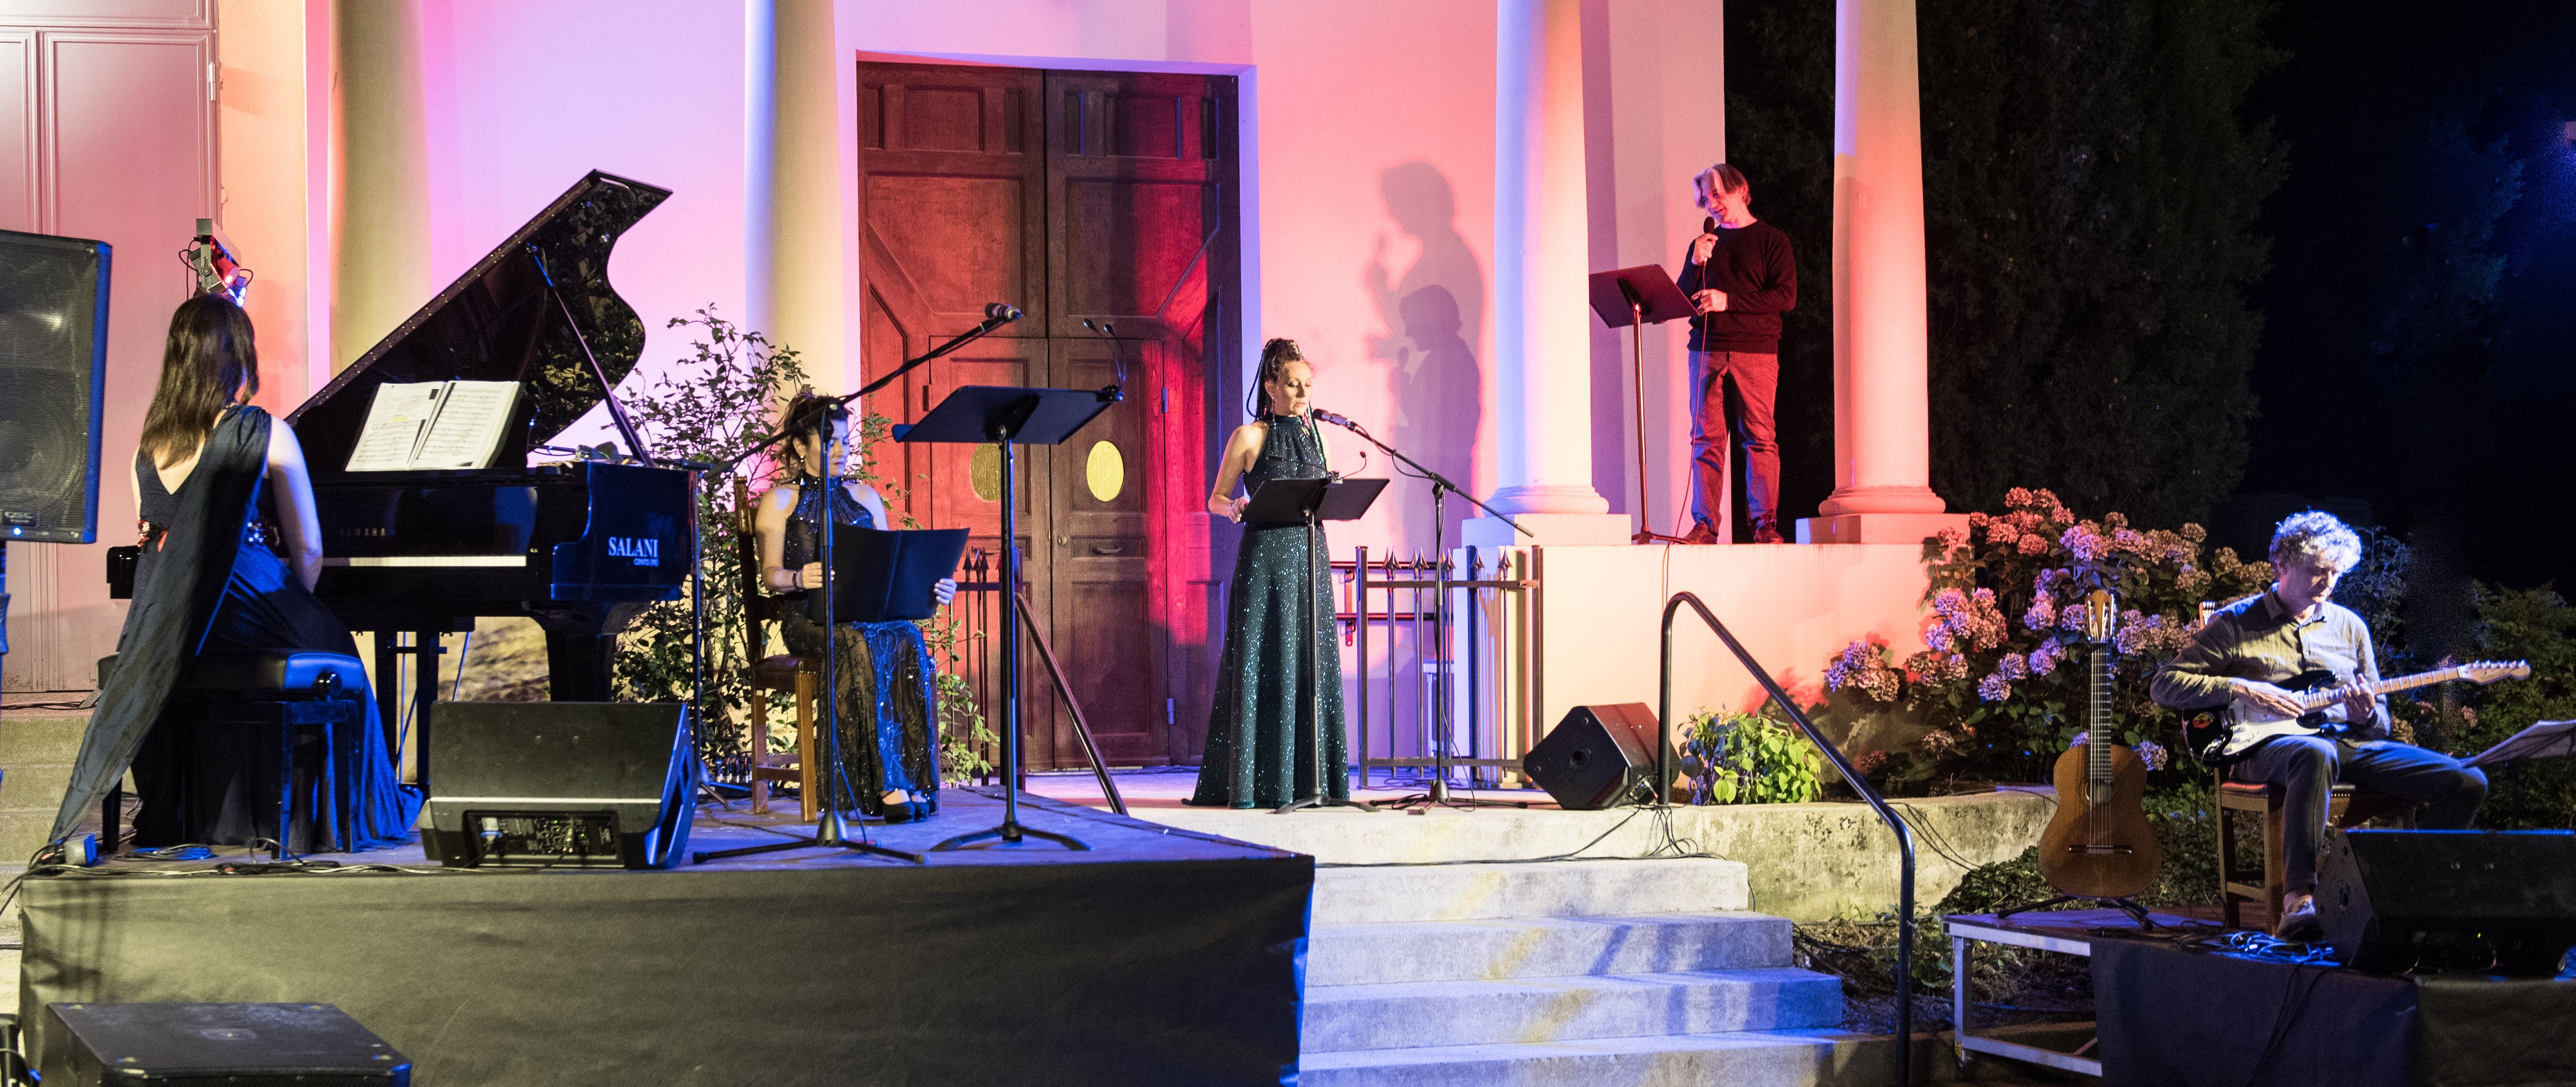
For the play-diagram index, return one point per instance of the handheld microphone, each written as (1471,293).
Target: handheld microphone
(1002,311)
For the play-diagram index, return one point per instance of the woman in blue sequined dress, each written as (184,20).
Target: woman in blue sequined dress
(1256,756)
(888,682)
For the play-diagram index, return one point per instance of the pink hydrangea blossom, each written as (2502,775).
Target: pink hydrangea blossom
(2033,544)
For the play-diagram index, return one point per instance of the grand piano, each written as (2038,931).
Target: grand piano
(580,547)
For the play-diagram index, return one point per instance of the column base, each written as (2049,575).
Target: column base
(1877,528)
(1554,529)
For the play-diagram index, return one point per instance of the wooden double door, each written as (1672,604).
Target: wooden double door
(1107,197)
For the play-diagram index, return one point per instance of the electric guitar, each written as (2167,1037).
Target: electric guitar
(2098,844)
(2229,733)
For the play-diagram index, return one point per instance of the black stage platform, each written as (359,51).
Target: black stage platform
(1161,957)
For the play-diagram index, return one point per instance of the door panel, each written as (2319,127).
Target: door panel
(1072,195)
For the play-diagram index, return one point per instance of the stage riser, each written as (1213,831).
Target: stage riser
(1543,947)
(1406,1015)
(1464,892)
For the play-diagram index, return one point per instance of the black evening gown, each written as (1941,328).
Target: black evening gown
(212,784)
(1256,755)
(886,677)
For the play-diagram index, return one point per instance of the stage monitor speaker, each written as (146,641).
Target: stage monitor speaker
(308,1045)
(2488,901)
(570,784)
(1597,757)
(53,377)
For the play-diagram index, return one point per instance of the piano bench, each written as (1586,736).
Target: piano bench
(802,677)
(2346,808)
(287,689)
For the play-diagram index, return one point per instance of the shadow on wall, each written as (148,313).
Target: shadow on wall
(1434,312)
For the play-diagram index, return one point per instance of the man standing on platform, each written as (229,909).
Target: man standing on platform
(1741,276)
(2247,649)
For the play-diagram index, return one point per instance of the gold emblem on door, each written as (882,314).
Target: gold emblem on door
(1106,471)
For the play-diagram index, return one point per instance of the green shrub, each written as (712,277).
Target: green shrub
(1746,758)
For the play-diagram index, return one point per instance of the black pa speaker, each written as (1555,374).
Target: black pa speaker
(53,368)
(2500,901)
(1597,757)
(251,1045)
(575,784)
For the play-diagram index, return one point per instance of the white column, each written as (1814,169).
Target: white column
(380,174)
(1543,350)
(792,185)
(1882,440)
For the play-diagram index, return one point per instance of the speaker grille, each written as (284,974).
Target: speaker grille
(52,356)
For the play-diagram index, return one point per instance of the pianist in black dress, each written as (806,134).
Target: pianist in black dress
(887,680)
(224,499)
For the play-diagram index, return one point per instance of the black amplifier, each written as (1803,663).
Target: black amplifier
(203,1045)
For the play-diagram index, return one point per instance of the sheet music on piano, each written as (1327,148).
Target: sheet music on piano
(434,425)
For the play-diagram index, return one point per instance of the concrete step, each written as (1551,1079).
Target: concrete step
(1814,1058)
(40,738)
(1539,947)
(1463,892)
(1343,1018)
(23,831)
(33,785)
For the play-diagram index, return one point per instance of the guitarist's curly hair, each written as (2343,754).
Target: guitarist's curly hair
(2316,536)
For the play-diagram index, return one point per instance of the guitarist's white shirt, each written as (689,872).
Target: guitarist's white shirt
(2257,638)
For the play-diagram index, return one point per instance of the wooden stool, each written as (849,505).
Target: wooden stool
(799,676)
(2346,807)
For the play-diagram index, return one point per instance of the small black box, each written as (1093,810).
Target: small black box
(233,1045)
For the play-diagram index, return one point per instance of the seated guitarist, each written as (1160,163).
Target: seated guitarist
(2251,646)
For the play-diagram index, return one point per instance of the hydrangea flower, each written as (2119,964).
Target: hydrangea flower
(2153,754)
(1994,688)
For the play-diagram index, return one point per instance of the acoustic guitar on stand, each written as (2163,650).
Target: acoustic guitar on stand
(2098,844)
(2230,733)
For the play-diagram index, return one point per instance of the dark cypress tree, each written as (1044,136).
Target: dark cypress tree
(2090,189)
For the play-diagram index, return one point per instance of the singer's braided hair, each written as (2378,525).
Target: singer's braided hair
(1275,357)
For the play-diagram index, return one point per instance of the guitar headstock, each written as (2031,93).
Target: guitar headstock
(2491,671)
(2101,616)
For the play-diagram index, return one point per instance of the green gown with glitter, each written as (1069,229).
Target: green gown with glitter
(1256,754)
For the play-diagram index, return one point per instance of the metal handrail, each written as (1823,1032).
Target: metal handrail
(1860,785)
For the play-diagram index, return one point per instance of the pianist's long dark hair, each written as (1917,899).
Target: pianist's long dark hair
(209,363)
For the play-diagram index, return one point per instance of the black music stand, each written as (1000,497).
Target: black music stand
(1008,416)
(1310,502)
(1633,298)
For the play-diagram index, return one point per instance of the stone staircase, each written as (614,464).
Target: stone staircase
(1611,972)
(36,752)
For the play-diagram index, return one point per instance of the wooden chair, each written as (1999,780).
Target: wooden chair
(799,676)
(2346,808)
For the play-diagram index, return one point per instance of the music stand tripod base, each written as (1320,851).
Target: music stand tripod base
(828,834)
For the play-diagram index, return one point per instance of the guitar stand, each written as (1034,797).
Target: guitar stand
(2125,905)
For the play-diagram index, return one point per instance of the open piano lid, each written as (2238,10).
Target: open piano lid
(496,323)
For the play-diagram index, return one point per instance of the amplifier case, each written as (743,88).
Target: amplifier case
(1597,757)
(203,1045)
(2503,901)
(627,768)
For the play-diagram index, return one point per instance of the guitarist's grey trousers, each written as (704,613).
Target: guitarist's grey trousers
(2307,768)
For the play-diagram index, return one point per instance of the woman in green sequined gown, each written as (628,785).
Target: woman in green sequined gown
(1256,754)
(884,671)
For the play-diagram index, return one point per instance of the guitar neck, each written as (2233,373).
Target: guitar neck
(2097,756)
(2317,700)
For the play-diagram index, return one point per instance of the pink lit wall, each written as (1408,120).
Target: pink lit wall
(523,99)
